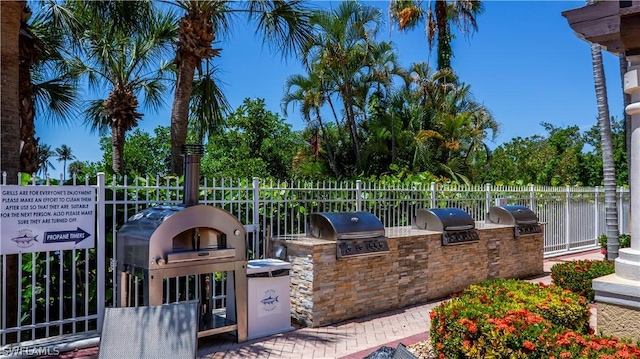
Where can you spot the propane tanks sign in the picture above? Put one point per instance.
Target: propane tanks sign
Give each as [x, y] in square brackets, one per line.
[38, 219]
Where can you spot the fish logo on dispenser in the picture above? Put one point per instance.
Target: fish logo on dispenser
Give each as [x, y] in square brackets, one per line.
[269, 300]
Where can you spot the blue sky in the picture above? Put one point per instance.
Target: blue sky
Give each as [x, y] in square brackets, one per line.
[525, 64]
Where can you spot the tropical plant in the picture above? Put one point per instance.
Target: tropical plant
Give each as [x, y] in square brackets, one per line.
[577, 276]
[440, 14]
[30, 46]
[44, 163]
[311, 95]
[64, 154]
[76, 168]
[256, 142]
[129, 65]
[285, 24]
[341, 50]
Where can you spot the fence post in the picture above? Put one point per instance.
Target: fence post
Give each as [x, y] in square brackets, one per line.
[567, 217]
[101, 253]
[597, 217]
[619, 190]
[255, 221]
[433, 195]
[358, 195]
[532, 198]
[487, 198]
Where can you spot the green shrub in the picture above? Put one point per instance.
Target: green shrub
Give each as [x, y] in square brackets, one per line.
[513, 319]
[490, 318]
[577, 276]
[624, 239]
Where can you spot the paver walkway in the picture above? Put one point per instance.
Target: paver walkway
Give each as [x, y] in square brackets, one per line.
[351, 339]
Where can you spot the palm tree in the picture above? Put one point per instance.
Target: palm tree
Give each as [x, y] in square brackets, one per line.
[209, 106]
[30, 46]
[608, 164]
[309, 93]
[12, 12]
[64, 154]
[44, 162]
[10, 135]
[341, 50]
[407, 14]
[128, 65]
[75, 168]
[283, 23]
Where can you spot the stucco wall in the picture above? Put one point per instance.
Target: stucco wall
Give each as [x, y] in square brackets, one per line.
[618, 321]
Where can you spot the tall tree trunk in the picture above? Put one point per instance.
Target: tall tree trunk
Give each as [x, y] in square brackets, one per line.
[180, 110]
[117, 147]
[332, 159]
[10, 135]
[347, 98]
[28, 49]
[608, 165]
[624, 66]
[444, 35]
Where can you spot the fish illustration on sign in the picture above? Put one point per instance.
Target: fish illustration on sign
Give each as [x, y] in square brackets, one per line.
[270, 300]
[25, 239]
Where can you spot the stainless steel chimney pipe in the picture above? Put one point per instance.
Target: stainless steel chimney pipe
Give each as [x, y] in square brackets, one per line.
[191, 188]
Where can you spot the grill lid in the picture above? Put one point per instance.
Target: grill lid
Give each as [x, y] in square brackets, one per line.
[512, 215]
[444, 219]
[345, 225]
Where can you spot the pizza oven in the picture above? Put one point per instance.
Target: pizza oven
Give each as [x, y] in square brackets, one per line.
[169, 241]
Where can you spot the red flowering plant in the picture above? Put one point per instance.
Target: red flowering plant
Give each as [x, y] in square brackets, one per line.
[577, 276]
[505, 319]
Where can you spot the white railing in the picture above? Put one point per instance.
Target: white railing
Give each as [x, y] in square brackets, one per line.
[66, 291]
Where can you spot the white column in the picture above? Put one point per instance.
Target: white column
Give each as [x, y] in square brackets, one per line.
[632, 87]
[628, 262]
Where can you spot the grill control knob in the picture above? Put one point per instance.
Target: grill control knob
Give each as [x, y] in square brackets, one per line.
[160, 261]
[370, 245]
[359, 247]
[349, 248]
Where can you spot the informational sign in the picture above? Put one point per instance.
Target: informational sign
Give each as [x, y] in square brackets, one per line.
[39, 218]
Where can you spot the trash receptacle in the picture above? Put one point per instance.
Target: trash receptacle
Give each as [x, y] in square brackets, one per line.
[268, 297]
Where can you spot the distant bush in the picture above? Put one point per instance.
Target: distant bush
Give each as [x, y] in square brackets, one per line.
[624, 239]
[577, 276]
[515, 319]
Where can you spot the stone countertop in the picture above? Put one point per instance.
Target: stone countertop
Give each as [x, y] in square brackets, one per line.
[302, 239]
[391, 232]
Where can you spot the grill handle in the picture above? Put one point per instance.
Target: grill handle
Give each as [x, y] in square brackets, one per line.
[459, 228]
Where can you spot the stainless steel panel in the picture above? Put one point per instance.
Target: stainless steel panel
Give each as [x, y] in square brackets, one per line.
[511, 215]
[200, 255]
[335, 225]
[443, 219]
[166, 331]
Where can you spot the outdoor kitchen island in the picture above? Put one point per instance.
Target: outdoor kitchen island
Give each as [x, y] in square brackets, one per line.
[416, 269]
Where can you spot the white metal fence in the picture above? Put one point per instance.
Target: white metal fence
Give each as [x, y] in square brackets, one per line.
[66, 291]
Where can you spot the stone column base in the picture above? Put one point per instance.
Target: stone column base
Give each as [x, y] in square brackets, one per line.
[618, 306]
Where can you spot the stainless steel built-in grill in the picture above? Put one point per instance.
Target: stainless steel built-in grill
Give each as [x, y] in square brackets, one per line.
[456, 225]
[523, 219]
[356, 233]
[171, 241]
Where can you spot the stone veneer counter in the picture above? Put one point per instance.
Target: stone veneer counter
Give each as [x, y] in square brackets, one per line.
[417, 269]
